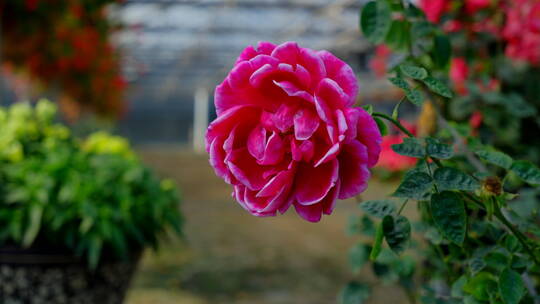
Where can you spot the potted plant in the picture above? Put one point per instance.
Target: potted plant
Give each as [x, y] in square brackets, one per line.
[74, 214]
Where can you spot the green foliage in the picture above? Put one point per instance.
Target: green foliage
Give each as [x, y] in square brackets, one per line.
[413, 72]
[354, 293]
[448, 178]
[397, 232]
[449, 215]
[399, 82]
[482, 286]
[435, 148]
[377, 244]
[438, 87]
[358, 256]
[442, 51]
[382, 126]
[415, 96]
[90, 195]
[511, 286]
[478, 207]
[526, 171]
[496, 158]
[378, 208]
[415, 185]
[410, 147]
[375, 20]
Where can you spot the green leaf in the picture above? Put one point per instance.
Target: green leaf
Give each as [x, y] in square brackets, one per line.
[354, 293]
[378, 208]
[36, 212]
[381, 125]
[453, 179]
[397, 232]
[422, 29]
[496, 158]
[476, 265]
[410, 147]
[438, 87]
[527, 171]
[457, 287]
[415, 185]
[519, 107]
[496, 260]
[511, 286]
[511, 243]
[414, 71]
[480, 286]
[368, 108]
[377, 243]
[358, 256]
[398, 37]
[449, 215]
[415, 96]
[399, 82]
[442, 51]
[94, 251]
[437, 149]
[375, 21]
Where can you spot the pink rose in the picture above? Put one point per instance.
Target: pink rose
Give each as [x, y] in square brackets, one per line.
[473, 6]
[379, 61]
[287, 134]
[434, 9]
[522, 31]
[459, 72]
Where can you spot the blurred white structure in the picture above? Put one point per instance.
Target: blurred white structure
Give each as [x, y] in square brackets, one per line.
[200, 119]
[173, 47]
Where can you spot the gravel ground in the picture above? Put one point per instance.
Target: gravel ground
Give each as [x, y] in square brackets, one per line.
[229, 256]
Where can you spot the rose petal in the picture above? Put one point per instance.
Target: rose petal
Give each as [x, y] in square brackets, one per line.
[256, 142]
[313, 183]
[302, 75]
[306, 123]
[292, 90]
[341, 122]
[332, 93]
[368, 134]
[217, 160]
[256, 79]
[353, 170]
[329, 155]
[313, 63]
[329, 201]
[303, 151]
[245, 169]
[239, 75]
[264, 47]
[311, 213]
[274, 150]
[286, 52]
[342, 74]
[248, 53]
[283, 118]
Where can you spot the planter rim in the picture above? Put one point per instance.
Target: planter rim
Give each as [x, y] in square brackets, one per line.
[15, 255]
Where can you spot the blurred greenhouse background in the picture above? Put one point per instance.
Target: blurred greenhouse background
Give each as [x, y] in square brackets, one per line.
[174, 52]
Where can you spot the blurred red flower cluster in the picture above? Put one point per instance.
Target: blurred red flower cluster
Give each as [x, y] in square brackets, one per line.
[390, 160]
[516, 23]
[64, 45]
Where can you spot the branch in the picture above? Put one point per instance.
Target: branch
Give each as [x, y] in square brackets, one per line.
[458, 138]
[395, 122]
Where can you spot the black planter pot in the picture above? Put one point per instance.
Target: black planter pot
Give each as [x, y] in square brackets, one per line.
[44, 275]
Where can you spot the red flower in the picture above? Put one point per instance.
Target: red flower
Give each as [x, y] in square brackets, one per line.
[459, 72]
